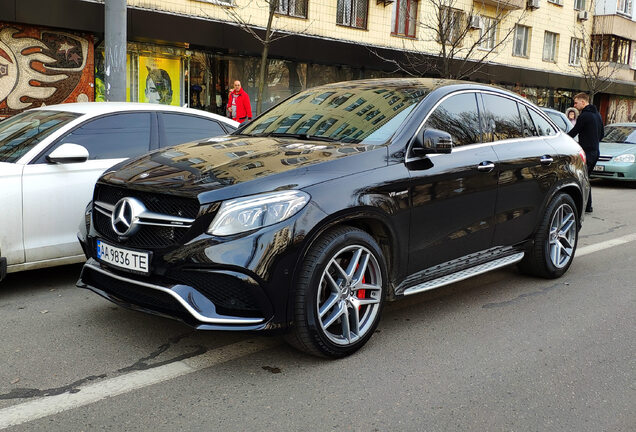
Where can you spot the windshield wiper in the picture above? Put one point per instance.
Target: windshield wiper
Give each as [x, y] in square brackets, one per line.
[300, 136]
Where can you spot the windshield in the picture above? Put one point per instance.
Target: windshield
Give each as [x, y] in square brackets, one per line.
[620, 134]
[368, 114]
[21, 133]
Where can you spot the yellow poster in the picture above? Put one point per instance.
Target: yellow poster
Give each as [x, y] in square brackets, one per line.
[159, 80]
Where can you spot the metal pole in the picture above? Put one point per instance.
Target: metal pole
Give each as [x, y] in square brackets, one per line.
[115, 50]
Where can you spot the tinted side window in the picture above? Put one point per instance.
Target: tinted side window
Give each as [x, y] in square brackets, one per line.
[457, 115]
[180, 128]
[115, 136]
[543, 127]
[503, 120]
[527, 124]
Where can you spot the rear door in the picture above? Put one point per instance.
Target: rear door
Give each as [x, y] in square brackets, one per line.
[453, 195]
[55, 195]
[175, 128]
[526, 171]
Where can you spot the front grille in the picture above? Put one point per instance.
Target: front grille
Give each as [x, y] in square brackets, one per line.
[133, 294]
[158, 203]
[148, 236]
[604, 158]
[230, 295]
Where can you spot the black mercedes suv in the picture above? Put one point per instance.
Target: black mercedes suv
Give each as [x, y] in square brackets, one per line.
[336, 200]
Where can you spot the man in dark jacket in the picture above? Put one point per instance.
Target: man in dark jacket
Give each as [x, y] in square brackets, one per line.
[589, 128]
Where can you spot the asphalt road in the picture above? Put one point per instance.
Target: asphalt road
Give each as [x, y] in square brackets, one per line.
[499, 352]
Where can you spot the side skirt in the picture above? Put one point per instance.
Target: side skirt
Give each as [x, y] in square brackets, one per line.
[464, 274]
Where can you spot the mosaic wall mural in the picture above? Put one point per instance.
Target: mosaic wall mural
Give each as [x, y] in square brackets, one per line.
[43, 67]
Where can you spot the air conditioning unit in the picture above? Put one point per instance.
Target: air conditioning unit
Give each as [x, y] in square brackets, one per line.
[533, 4]
[583, 15]
[475, 22]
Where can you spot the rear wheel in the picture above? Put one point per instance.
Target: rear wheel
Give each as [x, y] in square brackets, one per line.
[556, 240]
[340, 294]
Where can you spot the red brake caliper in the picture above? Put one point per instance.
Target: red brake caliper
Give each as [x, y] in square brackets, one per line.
[361, 293]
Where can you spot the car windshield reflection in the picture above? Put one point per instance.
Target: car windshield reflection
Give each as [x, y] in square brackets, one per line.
[620, 134]
[366, 114]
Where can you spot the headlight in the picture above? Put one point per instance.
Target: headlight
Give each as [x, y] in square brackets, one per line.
[629, 158]
[256, 211]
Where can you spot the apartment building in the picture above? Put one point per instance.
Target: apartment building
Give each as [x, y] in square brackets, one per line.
[52, 51]
[614, 48]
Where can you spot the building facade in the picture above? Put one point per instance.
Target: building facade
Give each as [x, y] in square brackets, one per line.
[52, 51]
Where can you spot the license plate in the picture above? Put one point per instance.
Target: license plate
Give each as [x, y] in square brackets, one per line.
[123, 258]
[598, 168]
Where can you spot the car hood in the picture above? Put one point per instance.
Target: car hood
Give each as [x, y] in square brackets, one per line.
[221, 163]
[615, 149]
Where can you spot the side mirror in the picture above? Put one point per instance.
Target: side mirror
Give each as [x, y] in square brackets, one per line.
[432, 141]
[68, 153]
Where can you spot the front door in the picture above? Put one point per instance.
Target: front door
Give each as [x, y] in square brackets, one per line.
[55, 195]
[453, 195]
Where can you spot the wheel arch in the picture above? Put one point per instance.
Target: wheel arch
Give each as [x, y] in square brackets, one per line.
[369, 220]
[575, 192]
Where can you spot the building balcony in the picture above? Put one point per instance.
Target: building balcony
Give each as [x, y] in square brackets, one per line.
[504, 4]
[614, 25]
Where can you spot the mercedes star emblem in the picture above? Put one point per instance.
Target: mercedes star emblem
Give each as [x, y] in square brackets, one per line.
[125, 217]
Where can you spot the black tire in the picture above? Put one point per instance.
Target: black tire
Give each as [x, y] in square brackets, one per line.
[320, 284]
[555, 241]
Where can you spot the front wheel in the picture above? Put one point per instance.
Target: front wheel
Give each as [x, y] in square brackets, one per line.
[340, 294]
[555, 241]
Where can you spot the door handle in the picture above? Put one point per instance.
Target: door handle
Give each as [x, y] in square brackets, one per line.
[546, 160]
[486, 166]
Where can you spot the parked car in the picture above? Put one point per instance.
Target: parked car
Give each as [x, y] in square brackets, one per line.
[559, 119]
[50, 158]
[341, 197]
[617, 153]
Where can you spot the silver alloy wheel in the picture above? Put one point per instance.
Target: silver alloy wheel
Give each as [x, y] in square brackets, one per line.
[349, 295]
[562, 236]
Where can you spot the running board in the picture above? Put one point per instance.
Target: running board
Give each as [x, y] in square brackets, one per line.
[464, 274]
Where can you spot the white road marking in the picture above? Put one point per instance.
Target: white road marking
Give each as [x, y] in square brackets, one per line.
[605, 245]
[46, 406]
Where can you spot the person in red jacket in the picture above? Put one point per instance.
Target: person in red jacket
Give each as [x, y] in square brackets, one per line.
[238, 104]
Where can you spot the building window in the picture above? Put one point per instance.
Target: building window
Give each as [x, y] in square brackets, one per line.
[295, 8]
[624, 7]
[522, 41]
[450, 25]
[488, 33]
[575, 51]
[352, 13]
[610, 48]
[405, 17]
[550, 46]
[579, 4]
[556, 2]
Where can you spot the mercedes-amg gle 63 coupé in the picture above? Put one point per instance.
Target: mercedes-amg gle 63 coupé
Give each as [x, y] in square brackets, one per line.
[342, 197]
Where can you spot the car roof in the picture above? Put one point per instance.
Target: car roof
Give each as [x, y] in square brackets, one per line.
[428, 83]
[97, 108]
[552, 110]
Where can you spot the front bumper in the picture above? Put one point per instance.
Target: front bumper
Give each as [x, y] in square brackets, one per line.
[615, 171]
[178, 301]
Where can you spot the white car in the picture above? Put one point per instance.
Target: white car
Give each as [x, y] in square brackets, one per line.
[50, 158]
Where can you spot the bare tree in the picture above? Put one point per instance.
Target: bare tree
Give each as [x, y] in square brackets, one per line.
[265, 37]
[466, 40]
[597, 54]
